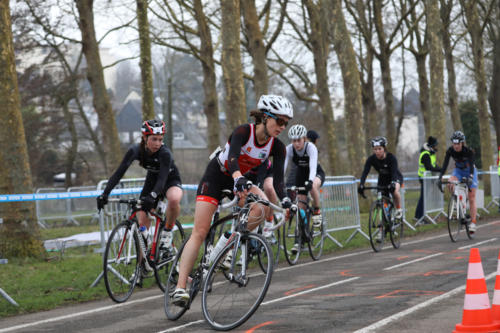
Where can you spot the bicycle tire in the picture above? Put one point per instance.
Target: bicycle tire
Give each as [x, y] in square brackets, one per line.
[316, 238]
[454, 219]
[121, 269]
[172, 311]
[395, 228]
[275, 249]
[229, 302]
[164, 258]
[376, 226]
[292, 235]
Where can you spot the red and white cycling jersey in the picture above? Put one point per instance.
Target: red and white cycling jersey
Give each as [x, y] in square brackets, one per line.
[251, 155]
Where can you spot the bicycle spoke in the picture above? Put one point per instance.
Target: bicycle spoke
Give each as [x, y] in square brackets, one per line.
[292, 239]
[317, 236]
[376, 226]
[454, 223]
[165, 256]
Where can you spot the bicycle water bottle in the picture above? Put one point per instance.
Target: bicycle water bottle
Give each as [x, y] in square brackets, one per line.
[219, 246]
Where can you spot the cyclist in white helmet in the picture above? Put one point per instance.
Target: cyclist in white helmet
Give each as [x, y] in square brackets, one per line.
[304, 156]
[249, 146]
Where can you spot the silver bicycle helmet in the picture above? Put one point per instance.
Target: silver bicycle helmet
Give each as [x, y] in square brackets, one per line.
[275, 104]
[297, 132]
[379, 141]
[457, 137]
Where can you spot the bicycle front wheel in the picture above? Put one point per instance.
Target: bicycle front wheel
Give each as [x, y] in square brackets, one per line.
[316, 238]
[454, 223]
[292, 239]
[396, 229]
[232, 295]
[165, 256]
[120, 265]
[376, 226]
[173, 311]
[274, 243]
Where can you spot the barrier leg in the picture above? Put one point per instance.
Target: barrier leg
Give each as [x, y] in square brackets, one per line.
[97, 280]
[7, 297]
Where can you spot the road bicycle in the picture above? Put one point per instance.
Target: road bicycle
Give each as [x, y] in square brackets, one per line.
[232, 283]
[458, 217]
[382, 219]
[299, 230]
[127, 258]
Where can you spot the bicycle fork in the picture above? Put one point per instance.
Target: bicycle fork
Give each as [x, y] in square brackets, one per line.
[241, 277]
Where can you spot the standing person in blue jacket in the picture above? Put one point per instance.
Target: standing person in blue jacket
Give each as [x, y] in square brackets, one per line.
[426, 162]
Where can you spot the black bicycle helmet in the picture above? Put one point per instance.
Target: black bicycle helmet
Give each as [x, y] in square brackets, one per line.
[312, 135]
[457, 137]
[432, 142]
[153, 127]
[379, 141]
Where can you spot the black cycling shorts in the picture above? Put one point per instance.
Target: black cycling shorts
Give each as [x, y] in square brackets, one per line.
[302, 175]
[174, 179]
[212, 184]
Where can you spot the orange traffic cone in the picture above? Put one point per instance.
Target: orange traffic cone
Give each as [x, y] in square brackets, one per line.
[495, 305]
[477, 311]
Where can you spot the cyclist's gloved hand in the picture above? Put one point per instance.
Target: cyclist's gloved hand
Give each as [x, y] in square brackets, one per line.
[102, 200]
[286, 203]
[469, 181]
[148, 203]
[361, 189]
[241, 184]
[308, 185]
[392, 186]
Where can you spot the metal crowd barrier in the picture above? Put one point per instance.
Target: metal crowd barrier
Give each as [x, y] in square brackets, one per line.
[495, 187]
[433, 200]
[3, 293]
[339, 206]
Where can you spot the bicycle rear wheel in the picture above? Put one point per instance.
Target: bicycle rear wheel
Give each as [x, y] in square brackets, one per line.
[292, 237]
[376, 228]
[396, 229]
[120, 266]
[454, 218]
[231, 296]
[316, 238]
[173, 311]
[165, 257]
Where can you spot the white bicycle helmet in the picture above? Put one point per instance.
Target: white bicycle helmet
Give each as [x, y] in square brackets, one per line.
[275, 104]
[297, 132]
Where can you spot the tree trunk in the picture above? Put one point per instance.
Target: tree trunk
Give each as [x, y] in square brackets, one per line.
[95, 76]
[352, 86]
[148, 111]
[231, 64]
[319, 47]
[450, 65]
[256, 47]
[474, 29]
[210, 103]
[494, 96]
[423, 86]
[437, 124]
[384, 59]
[19, 235]
[73, 149]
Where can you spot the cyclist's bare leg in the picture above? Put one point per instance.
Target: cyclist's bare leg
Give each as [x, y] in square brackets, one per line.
[397, 196]
[270, 193]
[258, 211]
[472, 204]
[315, 191]
[174, 196]
[143, 219]
[302, 198]
[202, 217]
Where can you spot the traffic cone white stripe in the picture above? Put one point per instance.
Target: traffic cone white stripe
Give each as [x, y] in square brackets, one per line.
[476, 302]
[475, 271]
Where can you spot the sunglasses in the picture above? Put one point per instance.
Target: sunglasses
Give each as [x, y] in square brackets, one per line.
[279, 121]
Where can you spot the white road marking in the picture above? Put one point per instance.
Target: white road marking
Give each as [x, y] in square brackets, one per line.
[178, 328]
[476, 244]
[413, 261]
[375, 326]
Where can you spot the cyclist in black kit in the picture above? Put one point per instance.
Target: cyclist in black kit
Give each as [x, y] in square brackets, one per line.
[464, 168]
[162, 178]
[386, 165]
[249, 146]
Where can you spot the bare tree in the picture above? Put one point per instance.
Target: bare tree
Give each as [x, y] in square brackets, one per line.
[19, 234]
[353, 109]
[148, 111]
[445, 10]
[95, 77]
[475, 29]
[235, 106]
[494, 95]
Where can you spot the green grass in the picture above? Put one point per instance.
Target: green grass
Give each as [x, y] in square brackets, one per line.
[62, 279]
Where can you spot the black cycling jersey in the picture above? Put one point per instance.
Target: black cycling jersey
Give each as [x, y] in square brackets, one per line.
[464, 159]
[161, 170]
[387, 169]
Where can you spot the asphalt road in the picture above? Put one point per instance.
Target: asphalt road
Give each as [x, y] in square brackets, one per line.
[417, 288]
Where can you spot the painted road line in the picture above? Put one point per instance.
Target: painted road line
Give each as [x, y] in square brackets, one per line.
[309, 291]
[479, 243]
[397, 316]
[413, 261]
[178, 328]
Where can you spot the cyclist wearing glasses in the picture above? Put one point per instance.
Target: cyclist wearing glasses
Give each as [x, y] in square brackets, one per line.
[162, 178]
[386, 165]
[464, 168]
[248, 146]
